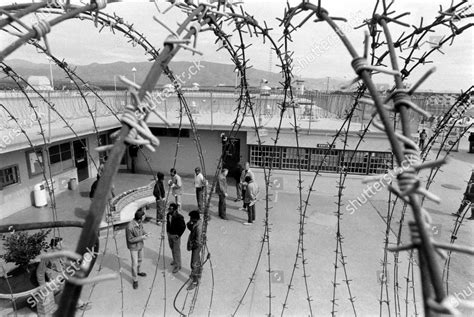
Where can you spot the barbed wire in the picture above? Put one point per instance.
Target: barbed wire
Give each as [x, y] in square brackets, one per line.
[362, 71]
[50, 184]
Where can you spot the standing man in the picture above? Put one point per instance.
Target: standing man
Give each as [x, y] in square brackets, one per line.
[243, 185]
[159, 193]
[175, 227]
[471, 142]
[221, 190]
[135, 235]
[250, 199]
[176, 184]
[194, 245]
[423, 137]
[238, 186]
[200, 185]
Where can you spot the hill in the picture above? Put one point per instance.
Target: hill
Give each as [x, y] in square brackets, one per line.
[209, 75]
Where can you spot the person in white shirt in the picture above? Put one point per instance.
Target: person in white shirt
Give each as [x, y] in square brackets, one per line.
[200, 185]
[176, 184]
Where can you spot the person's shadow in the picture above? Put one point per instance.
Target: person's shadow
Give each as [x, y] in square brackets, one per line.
[181, 275]
[80, 213]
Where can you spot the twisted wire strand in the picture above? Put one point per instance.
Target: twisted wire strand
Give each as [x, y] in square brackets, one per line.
[162, 248]
[300, 251]
[458, 108]
[291, 13]
[34, 7]
[12, 299]
[407, 186]
[89, 110]
[99, 269]
[265, 238]
[69, 297]
[40, 31]
[119, 263]
[404, 73]
[339, 253]
[362, 71]
[454, 235]
[16, 78]
[51, 106]
[196, 139]
[285, 61]
[410, 278]
[73, 76]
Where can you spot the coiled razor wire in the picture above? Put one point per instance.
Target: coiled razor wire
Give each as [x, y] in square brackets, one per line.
[48, 179]
[362, 71]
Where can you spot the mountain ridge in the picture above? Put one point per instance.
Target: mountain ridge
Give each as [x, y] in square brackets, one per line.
[202, 72]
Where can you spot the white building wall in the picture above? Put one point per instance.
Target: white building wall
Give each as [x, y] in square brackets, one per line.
[19, 196]
[187, 159]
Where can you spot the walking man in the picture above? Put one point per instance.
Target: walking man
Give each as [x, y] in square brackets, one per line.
[200, 185]
[159, 193]
[136, 236]
[221, 190]
[243, 185]
[176, 184]
[194, 245]
[423, 137]
[175, 227]
[250, 199]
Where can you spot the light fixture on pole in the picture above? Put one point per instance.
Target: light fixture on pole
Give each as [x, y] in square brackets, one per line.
[134, 70]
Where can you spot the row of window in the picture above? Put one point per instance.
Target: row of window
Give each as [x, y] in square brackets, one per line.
[60, 159]
[324, 159]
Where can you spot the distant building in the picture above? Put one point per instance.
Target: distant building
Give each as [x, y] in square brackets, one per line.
[40, 83]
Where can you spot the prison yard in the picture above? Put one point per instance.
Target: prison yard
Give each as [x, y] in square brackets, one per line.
[216, 158]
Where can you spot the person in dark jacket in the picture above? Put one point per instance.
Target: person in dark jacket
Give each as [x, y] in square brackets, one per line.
[175, 227]
[194, 245]
[421, 142]
[136, 235]
[221, 190]
[238, 186]
[159, 193]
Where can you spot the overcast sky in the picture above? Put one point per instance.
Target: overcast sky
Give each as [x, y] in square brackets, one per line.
[80, 43]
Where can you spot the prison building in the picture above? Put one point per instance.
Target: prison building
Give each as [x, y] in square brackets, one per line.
[63, 129]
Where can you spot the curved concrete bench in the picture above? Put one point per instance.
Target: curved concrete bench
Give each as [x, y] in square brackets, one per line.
[124, 205]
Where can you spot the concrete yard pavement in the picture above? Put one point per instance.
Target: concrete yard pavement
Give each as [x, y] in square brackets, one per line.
[235, 249]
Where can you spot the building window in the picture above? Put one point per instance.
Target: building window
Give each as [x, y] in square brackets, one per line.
[290, 158]
[9, 175]
[322, 159]
[170, 132]
[356, 162]
[264, 156]
[34, 162]
[60, 157]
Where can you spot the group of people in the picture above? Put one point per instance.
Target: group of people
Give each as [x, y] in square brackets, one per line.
[175, 228]
[247, 191]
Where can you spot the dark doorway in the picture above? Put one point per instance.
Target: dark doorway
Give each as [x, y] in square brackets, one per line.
[231, 153]
[80, 159]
